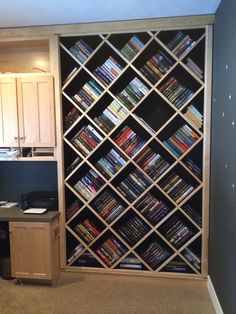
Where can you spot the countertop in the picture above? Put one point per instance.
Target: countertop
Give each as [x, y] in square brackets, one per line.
[16, 214]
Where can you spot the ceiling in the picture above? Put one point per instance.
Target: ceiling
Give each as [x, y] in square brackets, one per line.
[52, 12]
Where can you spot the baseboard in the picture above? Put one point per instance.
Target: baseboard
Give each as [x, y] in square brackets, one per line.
[214, 297]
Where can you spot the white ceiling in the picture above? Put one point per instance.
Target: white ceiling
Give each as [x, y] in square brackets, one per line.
[19, 13]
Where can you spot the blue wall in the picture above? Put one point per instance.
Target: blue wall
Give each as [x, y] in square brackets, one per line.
[222, 268]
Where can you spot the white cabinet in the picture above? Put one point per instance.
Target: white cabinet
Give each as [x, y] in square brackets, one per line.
[27, 111]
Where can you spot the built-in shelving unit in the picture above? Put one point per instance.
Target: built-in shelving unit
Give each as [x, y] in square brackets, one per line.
[134, 149]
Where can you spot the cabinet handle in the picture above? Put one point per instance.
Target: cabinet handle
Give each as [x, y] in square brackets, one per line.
[10, 231]
[15, 137]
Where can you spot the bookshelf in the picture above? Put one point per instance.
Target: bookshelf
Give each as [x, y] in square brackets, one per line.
[135, 151]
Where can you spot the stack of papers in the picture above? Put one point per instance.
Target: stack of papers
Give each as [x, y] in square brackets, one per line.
[35, 211]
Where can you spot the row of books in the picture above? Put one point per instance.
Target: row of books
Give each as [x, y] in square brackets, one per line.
[194, 116]
[71, 117]
[111, 116]
[86, 139]
[193, 167]
[195, 69]
[193, 258]
[75, 252]
[176, 231]
[89, 184]
[129, 141]
[131, 262]
[132, 230]
[152, 163]
[156, 66]
[110, 251]
[108, 71]
[176, 92]
[132, 93]
[110, 163]
[90, 91]
[181, 140]
[180, 44]
[72, 209]
[81, 50]
[193, 213]
[132, 47]
[176, 187]
[133, 185]
[153, 209]
[108, 206]
[87, 231]
[73, 165]
[155, 254]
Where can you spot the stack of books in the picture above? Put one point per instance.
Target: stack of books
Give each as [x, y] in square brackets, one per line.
[87, 260]
[111, 251]
[193, 258]
[176, 187]
[110, 164]
[132, 93]
[132, 47]
[193, 214]
[176, 92]
[176, 231]
[193, 167]
[133, 185]
[180, 44]
[108, 206]
[152, 163]
[108, 71]
[132, 230]
[43, 151]
[155, 254]
[87, 94]
[131, 262]
[177, 266]
[196, 70]
[129, 141]
[181, 140]
[194, 116]
[111, 116]
[70, 118]
[152, 209]
[86, 139]
[156, 67]
[76, 252]
[72, 209]
[144, 123]
[81, 50]
[73, 165]
[87, 231]
[89, 184]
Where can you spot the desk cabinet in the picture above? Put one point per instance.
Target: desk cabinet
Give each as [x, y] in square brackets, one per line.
[34, 250]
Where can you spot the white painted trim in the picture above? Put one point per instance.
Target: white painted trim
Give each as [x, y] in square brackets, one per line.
[214, 297]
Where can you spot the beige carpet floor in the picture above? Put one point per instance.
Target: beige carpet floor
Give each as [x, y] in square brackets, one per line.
[106, 294]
